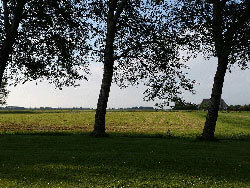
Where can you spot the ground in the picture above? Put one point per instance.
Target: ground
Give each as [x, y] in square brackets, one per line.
[144, 149]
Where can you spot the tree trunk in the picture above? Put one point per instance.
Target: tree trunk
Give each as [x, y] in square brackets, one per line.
[3, 63]
[6, 50]
[99, 127]
[11, 31]
[214, 103]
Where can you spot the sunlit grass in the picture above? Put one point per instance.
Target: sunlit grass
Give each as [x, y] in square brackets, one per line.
[145, 149]
[183, 124]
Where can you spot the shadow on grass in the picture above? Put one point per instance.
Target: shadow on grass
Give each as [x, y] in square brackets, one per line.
[41, 111]
[79, 158]
[194, 138]
[18, 112]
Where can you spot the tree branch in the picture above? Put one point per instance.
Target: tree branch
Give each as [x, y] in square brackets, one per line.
[18, 15]
[12, 31]
[217, 26]
[6, 16]
[119, 9]
[237, 25]
[126, 51]
[224, 1]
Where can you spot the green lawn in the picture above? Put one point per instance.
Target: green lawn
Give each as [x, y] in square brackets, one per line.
[53, 149]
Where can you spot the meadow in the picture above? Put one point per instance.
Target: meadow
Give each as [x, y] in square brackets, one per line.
[144, 149]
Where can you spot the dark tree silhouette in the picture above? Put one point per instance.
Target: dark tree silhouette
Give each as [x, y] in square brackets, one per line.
[219, 28]
[42, 39]
[4, 92]
[133, 40]
[113, 14]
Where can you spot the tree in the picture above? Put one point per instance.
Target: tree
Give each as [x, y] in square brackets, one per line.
[3, 92]
[42, 39]
[180, 105]
[219, 28]
[239, 108]
[134, 42]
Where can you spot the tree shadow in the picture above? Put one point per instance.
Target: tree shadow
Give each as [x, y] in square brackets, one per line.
[41, 111]
[219, 138]
[17, 112]
[82, 159]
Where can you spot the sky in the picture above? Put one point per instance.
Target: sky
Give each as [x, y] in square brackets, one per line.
[236, 89]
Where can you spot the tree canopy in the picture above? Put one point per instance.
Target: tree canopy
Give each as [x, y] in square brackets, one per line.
[43, 39]
[145, 47]
[198, 25]
[135, 42]
[219, 28]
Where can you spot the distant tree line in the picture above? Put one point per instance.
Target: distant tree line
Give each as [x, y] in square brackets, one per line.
[245, 107]
[191, 106]
[42, 108]
[140, 108]
[185, 106]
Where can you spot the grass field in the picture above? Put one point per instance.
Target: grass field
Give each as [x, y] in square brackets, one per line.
[145, 149]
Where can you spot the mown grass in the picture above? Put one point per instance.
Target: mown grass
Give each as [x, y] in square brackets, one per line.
[179, 124]
[145, 149]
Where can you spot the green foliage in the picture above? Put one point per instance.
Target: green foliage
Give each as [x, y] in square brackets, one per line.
[198, 31]
[185, 106]
[3, 93]
[239, 108]
[145, 48]
[49, 40]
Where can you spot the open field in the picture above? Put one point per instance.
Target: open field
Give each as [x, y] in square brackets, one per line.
[180, 124]
[145, 149]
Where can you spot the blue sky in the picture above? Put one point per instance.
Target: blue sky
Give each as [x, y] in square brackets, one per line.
[236, 89]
